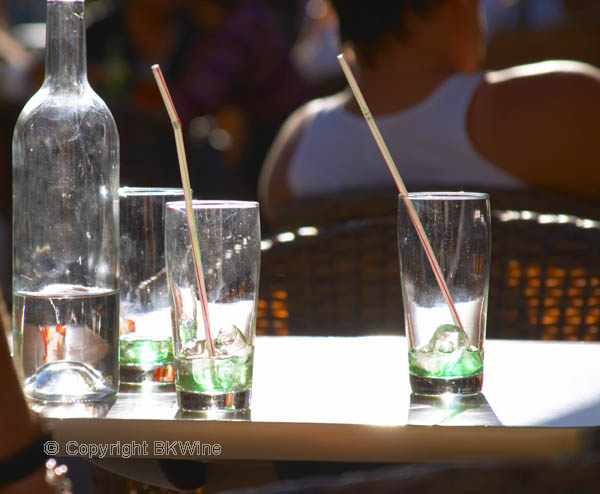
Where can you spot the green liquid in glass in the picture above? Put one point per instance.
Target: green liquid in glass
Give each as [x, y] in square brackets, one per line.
[215, 374]
[145, 351]
[460, 363]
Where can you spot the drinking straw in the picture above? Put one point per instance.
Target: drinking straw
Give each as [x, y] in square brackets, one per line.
[187, 194]
[401, 187]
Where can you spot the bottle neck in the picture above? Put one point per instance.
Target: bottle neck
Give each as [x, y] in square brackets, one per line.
[66, 65]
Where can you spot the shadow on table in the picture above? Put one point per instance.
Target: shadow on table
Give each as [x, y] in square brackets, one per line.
[470, 410]
[584, 416]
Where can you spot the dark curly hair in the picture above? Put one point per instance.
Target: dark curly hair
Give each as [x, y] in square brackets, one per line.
[364, 23]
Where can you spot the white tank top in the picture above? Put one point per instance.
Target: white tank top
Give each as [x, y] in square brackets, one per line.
[428, 141]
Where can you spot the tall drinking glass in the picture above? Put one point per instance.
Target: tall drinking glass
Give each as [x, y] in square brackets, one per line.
[444, 357]
[214, 369]
[145, 348]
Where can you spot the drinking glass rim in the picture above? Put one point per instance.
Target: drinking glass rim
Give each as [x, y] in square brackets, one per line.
[149, 191]
[212, 204]
[445, 196]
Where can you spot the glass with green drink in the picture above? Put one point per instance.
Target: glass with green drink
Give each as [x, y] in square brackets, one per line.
[445, 333]
[214, 354]
[145, 347]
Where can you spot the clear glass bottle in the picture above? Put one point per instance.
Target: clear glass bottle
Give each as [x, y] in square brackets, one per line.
[65, 226]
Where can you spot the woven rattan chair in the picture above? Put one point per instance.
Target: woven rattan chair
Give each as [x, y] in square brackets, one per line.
[337, 280]
[545, 276]
[341, 277]
[369, 203]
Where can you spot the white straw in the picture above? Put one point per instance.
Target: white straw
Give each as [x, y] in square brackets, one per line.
[401, 187]
[187, 194]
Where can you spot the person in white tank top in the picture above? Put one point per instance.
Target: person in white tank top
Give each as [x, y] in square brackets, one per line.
[428, 142]
[445, 122]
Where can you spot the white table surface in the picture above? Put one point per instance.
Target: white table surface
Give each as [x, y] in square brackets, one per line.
[349, 399]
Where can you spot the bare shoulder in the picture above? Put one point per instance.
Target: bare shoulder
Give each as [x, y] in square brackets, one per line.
[532, 85]
[539, 122]
[273, 186]
[295, 124]
[544, 70]
[533, 92]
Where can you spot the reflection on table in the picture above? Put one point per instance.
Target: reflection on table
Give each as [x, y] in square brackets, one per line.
[348, 399]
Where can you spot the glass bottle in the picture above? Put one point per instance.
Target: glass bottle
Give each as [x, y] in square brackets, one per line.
[65, 226]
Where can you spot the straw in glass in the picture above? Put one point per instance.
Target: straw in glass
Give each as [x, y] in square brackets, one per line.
[401, 187]
[187, 194]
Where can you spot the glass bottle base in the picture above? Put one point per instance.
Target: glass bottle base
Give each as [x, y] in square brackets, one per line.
[67, 382]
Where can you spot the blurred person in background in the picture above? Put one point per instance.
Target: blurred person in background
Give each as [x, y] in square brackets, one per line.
[240, 71]
[25, 11]
[15, 60]
[15, 64]
[446, 122]
[127, 38]
[315, 49]
[124, 39]
[228, 68]
[318, 43]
